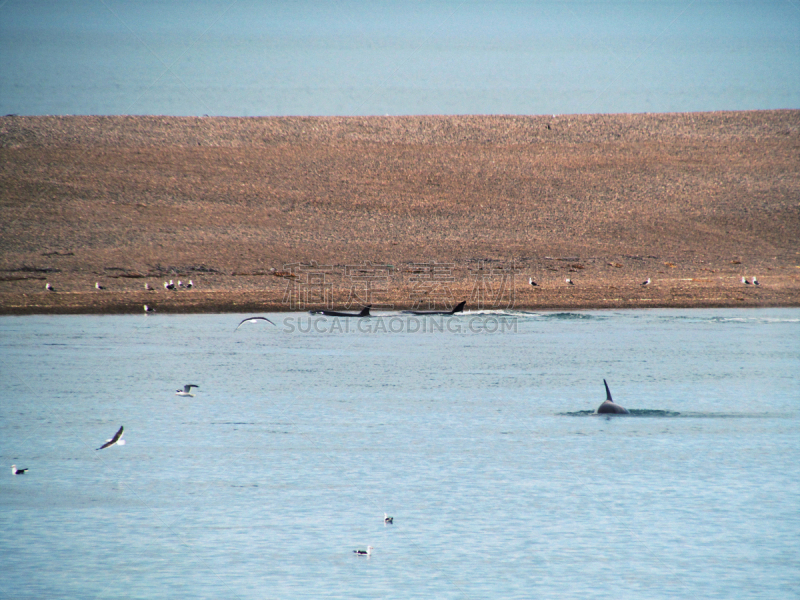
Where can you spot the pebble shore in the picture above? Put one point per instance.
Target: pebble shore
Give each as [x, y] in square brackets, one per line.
[295, 213]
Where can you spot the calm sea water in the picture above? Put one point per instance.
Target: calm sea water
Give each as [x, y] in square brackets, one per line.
[366, 57]
[473, 435]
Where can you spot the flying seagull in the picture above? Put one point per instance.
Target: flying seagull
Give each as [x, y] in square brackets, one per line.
[187, 390]
[366, 552]
[253, 320]
[387, 520]
[646, 282]
[17, 471]
[531, 281]
[115, 440]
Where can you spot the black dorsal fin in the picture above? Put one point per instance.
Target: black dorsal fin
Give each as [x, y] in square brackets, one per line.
[608, 392]
[459, 307]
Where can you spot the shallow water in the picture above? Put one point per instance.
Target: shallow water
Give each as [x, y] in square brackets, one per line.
[477, 438]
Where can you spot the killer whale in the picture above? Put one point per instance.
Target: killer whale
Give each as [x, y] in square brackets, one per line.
[609, 407]
[458, 308]
[334, 313]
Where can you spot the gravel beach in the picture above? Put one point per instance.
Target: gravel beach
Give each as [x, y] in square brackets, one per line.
[295, 213]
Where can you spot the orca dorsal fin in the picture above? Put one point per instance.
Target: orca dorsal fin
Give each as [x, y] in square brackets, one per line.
[608, 392]
[364, 312]
[459, 307]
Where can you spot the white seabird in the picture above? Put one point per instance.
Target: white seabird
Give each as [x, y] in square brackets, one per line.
[187, 390]
[569, 281]
[646, 282]
[148, 288]
[189, 285]
[755, 281]
[16, 471]
[148, 309]
[49, 287]
[366, 552]
[531, 281]
[114, 440]
[97, 286]
[387, 520]
[744, 280]
[253, 320]
[170, 285]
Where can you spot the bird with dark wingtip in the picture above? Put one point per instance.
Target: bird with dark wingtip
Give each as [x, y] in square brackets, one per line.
[253, 320]
[17, 471]
[609, 407]
[114, 440]
[187, 390]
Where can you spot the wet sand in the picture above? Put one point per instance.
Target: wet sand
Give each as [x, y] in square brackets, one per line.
[271, 214]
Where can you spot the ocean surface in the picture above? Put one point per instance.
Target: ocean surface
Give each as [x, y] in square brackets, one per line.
[474, 432]
[373, 57]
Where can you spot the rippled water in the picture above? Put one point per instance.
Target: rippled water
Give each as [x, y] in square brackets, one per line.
[475, 438]
[358, 57]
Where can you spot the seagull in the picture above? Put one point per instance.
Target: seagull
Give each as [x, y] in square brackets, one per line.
[16, 471]
[387, 520]
[189, 285]
[569, 281]
[646, 282]
[98, 286]
[755, 281]
[366, 552]
[115, 440]
[180, 283]
[49, 288]
[253, 320]
[170, 285]
[744, 280]
[148, 288]
[147, 309]
[187, 390]
[531, 281]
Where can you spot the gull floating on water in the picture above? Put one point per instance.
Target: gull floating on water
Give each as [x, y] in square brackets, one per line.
[114, 440]
[17, 471]
[187, 390]
[253, 320]
[387, 520]
[366, 552]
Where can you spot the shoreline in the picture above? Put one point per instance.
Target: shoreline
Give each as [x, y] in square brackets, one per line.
[404, 211]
